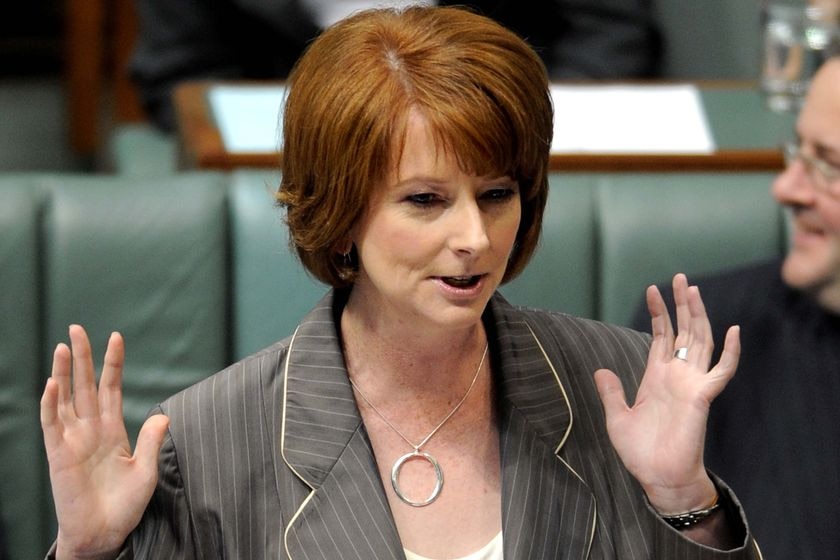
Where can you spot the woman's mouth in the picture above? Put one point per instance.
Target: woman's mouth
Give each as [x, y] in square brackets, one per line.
[460, 281]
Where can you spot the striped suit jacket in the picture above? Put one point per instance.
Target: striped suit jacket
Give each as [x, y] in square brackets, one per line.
[270, 459]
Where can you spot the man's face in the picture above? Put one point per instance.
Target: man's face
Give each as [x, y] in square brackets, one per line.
[813, 261]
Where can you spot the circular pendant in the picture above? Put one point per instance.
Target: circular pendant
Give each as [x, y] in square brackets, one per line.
[395, 474]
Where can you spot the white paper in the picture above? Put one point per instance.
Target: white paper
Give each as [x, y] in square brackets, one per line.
[630, 119]
[248, 117]
[597, 119]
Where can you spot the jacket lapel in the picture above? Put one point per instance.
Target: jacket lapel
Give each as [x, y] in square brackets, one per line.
[346, 513]
[547, 509]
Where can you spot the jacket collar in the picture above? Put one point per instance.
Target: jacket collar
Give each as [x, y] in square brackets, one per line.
[324, 442]
[546, 505]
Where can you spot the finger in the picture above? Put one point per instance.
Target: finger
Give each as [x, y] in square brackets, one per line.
[611, 392]
[49, 406]
[60, 376]
[702, 343]
[51, 425]
[55, 401]
[726, 367]
[149, 441]
[660, 326]
[110, 383]
[84, 379]
[682, 310]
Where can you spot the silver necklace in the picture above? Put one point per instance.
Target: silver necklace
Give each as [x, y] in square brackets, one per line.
[417, 453]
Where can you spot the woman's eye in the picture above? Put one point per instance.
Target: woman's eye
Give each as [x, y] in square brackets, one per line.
[498, 194]
[423, 199]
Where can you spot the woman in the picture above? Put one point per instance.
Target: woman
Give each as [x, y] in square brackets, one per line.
[413, 412]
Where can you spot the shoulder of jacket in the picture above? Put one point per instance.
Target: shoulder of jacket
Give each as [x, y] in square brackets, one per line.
[248, 371]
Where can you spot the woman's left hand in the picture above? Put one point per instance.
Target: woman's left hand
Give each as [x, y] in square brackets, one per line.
[660, 438]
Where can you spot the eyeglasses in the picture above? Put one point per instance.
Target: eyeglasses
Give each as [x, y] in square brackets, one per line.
[825, 176]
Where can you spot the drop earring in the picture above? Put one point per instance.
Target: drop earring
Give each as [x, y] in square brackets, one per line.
[345, 264]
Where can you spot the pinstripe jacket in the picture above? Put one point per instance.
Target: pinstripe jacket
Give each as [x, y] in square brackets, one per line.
[269, 458]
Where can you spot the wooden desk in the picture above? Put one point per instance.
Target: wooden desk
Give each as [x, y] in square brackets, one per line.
[747, 137]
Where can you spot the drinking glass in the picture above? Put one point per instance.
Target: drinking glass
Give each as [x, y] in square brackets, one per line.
[797, 38]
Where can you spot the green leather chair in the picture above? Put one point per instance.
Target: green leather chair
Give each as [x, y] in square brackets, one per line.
[271, 290]
[561, 275]
[147, 258]
[649, 223]
[23, 487]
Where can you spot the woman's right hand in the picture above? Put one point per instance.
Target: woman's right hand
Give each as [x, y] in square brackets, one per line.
[99, 487]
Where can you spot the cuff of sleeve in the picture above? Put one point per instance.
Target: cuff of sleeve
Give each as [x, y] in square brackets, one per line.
[125, 553]
[678, 546]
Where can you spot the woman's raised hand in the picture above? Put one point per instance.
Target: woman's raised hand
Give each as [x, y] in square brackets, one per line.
[660, 438]
[99, 487]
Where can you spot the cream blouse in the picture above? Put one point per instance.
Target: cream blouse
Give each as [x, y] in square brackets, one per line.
[490, 551]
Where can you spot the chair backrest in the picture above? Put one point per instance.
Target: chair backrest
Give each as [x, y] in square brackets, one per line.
[23, 488]
[147, 258]
[652, 226]
[562, 273]
[271, 290]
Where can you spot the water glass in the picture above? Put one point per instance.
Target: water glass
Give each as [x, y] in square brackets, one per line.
[797, 39]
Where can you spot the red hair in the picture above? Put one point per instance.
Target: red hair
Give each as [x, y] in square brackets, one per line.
[481, 88]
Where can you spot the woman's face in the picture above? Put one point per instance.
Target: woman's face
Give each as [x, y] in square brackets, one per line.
[434, 243]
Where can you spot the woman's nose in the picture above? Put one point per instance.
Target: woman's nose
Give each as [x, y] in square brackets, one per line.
[469, 229]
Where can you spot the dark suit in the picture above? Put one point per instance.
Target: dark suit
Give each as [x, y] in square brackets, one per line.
[270, 459]
[261, 39]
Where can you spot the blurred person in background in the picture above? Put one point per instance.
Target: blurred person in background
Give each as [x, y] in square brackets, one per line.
[261, 39]
[774, 434]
